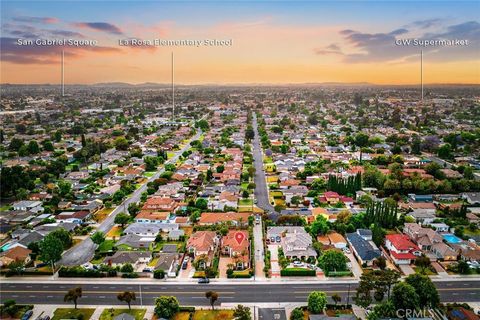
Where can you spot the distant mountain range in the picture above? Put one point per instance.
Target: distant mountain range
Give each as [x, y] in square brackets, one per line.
[308, 84]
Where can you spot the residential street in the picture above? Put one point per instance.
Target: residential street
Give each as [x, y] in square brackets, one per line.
[261, 189]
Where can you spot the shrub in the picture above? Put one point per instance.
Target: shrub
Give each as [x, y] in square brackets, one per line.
[159, 274]
[297, 273]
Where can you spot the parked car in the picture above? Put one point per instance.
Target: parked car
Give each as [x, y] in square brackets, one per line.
[147, 269]
[203, 280]
[298, 263]
[185, 264]
[27, 315]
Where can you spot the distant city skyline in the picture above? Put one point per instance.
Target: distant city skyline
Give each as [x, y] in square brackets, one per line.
[272, 42]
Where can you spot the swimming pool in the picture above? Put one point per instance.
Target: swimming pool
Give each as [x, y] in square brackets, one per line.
[451, 238]
[5, 247]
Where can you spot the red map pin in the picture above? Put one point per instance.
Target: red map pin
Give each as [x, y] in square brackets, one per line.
[239, 236]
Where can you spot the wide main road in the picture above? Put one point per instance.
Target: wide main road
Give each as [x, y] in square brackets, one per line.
[105, 293]
[85, 250]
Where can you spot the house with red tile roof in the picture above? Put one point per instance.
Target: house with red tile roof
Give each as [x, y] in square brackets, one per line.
[148, 216]
[236, 218]
[402, 249]
[237, 248]
[202, 245]
[160, 204]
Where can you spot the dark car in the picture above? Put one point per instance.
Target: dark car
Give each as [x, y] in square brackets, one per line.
[203, 280]
[27, 315]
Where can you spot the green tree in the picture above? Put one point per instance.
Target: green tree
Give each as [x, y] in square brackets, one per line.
[201, 203]
[64, 236]
[296, 314]
[122, 219]
[121, 143]
[98, 237]
[317, 301]
[133, 209]
[126, 296]
[404, 297]
[51, 249]
[166, 307]
[423, 262]
[425, 289]
[10, 307]
[33, 147]
[336, 298]
[332, 260]
[319, 226]
[212, 296]
[242, 313]
[73, 295]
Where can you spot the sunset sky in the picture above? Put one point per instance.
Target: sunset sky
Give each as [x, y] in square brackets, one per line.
[273, 42]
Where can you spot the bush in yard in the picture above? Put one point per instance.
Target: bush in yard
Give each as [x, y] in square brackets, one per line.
[166, 307]
[317, 300]
[159, 274]
[127, 268]
[297, 314]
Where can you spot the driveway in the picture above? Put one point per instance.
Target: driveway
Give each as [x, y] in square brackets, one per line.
[187, 273]
[272, 314]
[259, 252]
[223, 267]
[406, 269]
[356, 269]
[274, 260]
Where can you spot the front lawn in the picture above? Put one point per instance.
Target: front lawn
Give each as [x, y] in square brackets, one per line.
[182, 316]
[106, 245]
[111, 313]
[245, 202]
[116, 232]
[213, 315]
[149, 174]
[102, 214]
[71, 313]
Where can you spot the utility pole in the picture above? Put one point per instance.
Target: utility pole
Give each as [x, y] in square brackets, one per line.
[63, 73]
[421, 72]
[173, 88]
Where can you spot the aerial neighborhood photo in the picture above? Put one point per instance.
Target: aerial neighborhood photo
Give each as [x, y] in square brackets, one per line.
[270, 160]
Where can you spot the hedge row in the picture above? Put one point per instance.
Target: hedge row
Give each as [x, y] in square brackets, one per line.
[81, 272]
[338, 274]
[297, 273]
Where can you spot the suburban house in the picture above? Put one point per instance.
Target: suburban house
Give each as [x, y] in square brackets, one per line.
[203, 244]
[423, 216]
[17, 254]
[238, 251]
[147, 216]
[160, 204]
[73, 216]
[402, 249]
[136, 241]
[167, 262]
[149, 229]
[132, 257]
[365, 251]
[295, 242]
[235, 218]
[26, 205]
[337, 240]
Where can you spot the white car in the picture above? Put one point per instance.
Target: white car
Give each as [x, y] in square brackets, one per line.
[298, 263]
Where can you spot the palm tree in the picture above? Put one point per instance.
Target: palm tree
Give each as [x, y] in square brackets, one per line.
[126, 296]
[336, 298]
[73, 295]
[213, 296]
